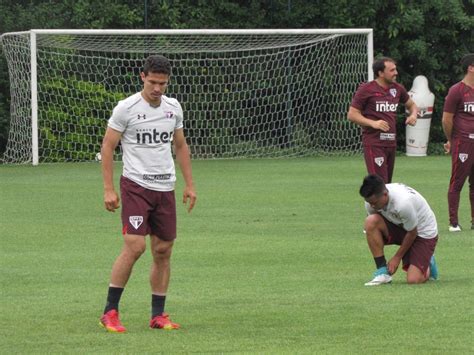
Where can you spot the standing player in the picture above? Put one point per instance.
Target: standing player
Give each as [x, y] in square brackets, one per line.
[374, 107]
[458, 126]
[397, 214]
[146, 123]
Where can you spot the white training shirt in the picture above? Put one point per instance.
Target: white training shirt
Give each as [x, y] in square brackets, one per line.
[147, 133]
[408, 209]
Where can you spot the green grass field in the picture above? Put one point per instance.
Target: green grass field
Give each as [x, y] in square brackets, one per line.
[272, 260]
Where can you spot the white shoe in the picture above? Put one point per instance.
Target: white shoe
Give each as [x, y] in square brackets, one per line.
[455, 228]
[380, 280]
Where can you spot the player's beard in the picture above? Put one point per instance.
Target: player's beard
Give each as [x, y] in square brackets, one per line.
[392, 80]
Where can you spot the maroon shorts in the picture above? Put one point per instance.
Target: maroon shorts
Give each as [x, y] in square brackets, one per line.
[146, 211]
[420, 251]
[380, 161]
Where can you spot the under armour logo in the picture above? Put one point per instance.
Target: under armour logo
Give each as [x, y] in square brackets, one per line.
[393, 92]
[463, 157]
[141, 116]
[379, 161]
[136, 221]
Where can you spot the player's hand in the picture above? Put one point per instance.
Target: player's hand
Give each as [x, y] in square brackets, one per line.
[111, 200]
[411, 120]
[447, 147]
[381, 125]
[392, 265]
[189, 194]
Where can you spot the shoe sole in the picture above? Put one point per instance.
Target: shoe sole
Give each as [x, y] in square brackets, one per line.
[166, 327]
[111, 330]
[377, 284]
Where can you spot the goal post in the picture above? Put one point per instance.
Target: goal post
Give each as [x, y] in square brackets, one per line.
[245, 93]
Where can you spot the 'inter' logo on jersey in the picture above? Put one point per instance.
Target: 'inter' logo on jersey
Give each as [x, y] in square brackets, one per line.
[469, 107]
[154, 137]
[384, 106]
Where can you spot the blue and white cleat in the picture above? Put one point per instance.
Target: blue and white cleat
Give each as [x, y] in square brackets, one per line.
[433, 269]
[381, 276]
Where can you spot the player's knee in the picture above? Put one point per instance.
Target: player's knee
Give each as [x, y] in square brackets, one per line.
[162, 251]
[413, 279]
[372, 222]
[135, 250]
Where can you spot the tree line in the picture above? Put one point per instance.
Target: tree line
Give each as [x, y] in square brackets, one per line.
[426, 37]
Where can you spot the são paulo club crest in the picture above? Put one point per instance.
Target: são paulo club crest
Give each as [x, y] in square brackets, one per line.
[393, 92]
[136, 221]
[463, 157]
[379, 161]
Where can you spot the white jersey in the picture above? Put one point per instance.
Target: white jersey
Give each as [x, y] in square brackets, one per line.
[147, 133]
[408, 209]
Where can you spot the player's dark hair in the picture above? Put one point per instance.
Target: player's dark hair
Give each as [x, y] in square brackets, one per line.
[379, 65]
[157, 64]
[467, 61]
[373, 185]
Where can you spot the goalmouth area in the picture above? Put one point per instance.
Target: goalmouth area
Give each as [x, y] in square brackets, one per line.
[245, 93]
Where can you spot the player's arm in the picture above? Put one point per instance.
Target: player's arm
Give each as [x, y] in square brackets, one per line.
[448, 129]
[406, 244]
[183, 157]
[413, 112]
[110, 142]
[355, 115]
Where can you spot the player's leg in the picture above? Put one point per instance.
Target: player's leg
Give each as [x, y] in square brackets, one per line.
[418, 260]
[135, 226]
[163, 222]
[133, 248]
[471, 184]
[159, 281]
[459, 173]
[376, 232]
[376, 161]
[390, 155]
[415, 275]
[161, 265]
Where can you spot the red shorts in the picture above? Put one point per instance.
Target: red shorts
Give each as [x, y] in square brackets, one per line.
[146, 211]
[380, 161]
[420, 251]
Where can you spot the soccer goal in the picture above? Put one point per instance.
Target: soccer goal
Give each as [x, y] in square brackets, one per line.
[245, 93]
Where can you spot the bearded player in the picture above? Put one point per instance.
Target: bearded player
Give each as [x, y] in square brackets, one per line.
[374, 108]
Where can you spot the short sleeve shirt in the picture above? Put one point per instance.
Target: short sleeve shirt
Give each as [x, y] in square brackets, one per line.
[378, 103]
[460, 102]
[407, 209]
[147, 134]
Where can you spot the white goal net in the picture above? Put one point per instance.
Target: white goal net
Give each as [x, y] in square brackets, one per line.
[245, 93]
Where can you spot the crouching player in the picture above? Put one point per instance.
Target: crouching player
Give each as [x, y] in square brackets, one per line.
[397, 214]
